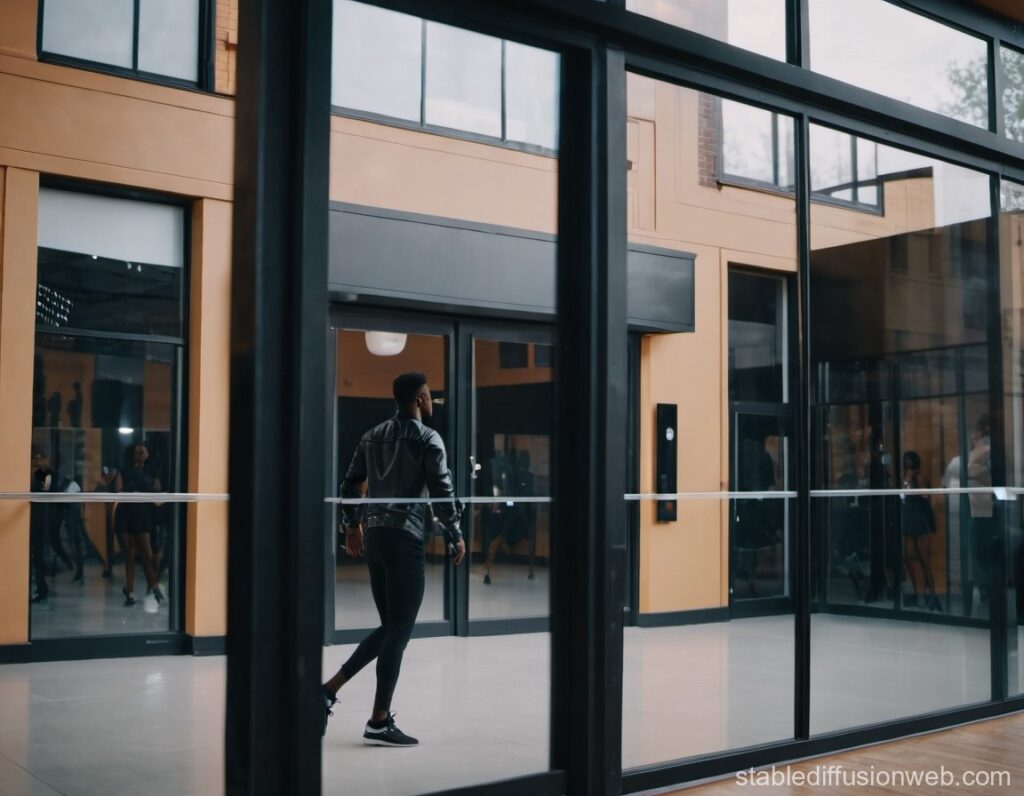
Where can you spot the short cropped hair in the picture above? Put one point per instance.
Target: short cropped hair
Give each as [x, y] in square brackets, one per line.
[406, 387]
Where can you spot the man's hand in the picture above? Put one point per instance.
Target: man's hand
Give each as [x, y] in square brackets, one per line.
[354, 541]
[460, 551]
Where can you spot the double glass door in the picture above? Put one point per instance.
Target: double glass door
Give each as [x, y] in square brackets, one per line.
[493, 390]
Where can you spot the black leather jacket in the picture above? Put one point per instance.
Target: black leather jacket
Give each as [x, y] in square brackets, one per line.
[402, 458]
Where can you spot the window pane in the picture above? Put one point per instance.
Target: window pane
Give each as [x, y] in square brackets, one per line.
[109, 264]
[912, 58]
[898, 327]
[376, 60]
[756, 144]
[1013, 93]
[757, 338]
[463, 81]
[95, 30]
[93, 402]
[756, 25]
[531, 95]
[169, 38]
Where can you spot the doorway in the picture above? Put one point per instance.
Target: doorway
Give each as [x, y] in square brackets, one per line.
[492, 386]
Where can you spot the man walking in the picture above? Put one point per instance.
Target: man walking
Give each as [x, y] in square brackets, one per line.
[400, 458]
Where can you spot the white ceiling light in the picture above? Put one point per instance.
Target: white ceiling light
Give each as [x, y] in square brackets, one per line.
[385, 344]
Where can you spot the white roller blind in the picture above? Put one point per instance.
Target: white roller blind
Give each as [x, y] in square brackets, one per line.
[119, 229]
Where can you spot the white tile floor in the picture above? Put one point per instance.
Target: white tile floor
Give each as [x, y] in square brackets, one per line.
[479, 706]
[96, 606]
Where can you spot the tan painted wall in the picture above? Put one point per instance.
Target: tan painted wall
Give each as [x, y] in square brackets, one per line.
[209, 382]
[19, 198]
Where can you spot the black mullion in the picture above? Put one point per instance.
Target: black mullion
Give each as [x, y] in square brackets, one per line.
[997, 547]
[332, 467]
[804, 473]
[465, 424]
[135, 38]
[278, 318]
[588, 554]
[798, 40]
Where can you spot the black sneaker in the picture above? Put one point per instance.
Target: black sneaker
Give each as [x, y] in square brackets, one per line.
[328, 704]
[158, 595]
[386, 734]
[129, 598]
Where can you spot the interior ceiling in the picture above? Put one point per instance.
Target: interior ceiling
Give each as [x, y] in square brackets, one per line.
[1014, 9]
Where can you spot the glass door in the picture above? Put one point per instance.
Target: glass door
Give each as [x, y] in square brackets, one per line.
[369, 355]
[508, 466]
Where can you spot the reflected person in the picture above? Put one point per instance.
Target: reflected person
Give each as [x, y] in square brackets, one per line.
[136, 524]
[400, 458]
[44, 522]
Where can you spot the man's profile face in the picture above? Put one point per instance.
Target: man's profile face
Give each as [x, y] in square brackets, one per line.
[424, 401]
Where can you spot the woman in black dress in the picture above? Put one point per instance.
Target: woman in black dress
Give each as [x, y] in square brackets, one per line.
[917, 520]
[135, 520]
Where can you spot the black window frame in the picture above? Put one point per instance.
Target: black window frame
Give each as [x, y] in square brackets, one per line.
[206, 53]
[599, 41]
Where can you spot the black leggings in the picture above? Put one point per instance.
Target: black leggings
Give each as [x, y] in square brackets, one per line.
[397, 565]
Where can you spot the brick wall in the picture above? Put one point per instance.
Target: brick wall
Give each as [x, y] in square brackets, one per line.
[225, 46]
[707, 139]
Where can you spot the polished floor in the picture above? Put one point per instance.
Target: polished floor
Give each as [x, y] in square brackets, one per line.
[987, 752]
[478, 705]
[96, 607]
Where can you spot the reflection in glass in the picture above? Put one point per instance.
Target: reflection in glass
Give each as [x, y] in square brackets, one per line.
[463, 80]
[756, 25]
[93, 401]
[1012, 62]
[94, 30]
[709, 666]
[510, 540]
[900, 402]
[757, 144]
[913, 58]
[364, 399]
[531, 95]
[376, 60]
[169, 38]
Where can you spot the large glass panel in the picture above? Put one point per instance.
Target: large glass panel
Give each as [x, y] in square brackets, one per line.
[94, 30]
[376, 60]
[368, 362]
[443, 255]
[1012, 62]
[169, 38]
[513, 383]
[1011, 289]
[757, 25]
[899, 361]
[531, 95]
[463, 80]
[709, 665]
[912, 58]
[104, 420]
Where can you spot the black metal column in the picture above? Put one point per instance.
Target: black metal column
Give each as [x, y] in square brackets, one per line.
[589, 547]
[276, 474]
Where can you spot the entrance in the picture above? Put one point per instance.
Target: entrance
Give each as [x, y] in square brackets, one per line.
[493, 391]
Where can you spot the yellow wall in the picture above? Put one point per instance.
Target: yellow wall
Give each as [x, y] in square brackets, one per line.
[74, 123]
[19, 198]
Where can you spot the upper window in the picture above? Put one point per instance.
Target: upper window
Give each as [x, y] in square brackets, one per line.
[877, 46]
[147, 37]
[395, 65]
[109, 264]
[756, 25]
[1013, 93]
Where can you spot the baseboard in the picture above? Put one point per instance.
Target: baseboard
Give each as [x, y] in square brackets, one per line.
[91, 647]
[673, 618]
[15, 653]
[209, 645]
